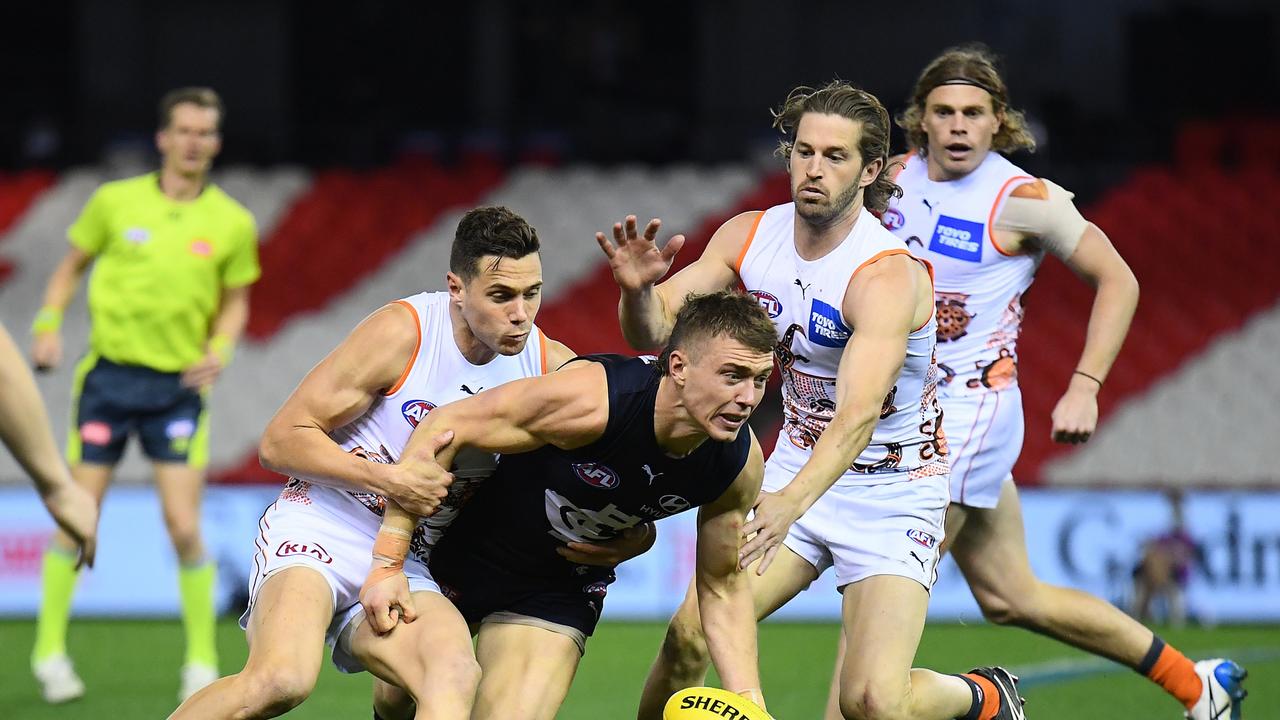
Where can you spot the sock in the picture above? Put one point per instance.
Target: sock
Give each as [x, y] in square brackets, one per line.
[57, 585]
[195, 587]
[986, 698]
[1171, 670]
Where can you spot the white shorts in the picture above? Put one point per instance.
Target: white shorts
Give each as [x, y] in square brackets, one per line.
[292, 534]
[891, 528]
[984, 433]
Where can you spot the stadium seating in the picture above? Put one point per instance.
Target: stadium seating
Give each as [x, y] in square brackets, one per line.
[1191, 392]
[339, 244]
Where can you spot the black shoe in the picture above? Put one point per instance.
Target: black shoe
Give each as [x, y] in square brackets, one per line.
[1007, 685]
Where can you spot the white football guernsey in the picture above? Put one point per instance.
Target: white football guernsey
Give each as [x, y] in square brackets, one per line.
[804, 298]
[438, 374]
[978, 288]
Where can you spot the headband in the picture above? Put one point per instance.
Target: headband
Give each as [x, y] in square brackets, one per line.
[967, 81]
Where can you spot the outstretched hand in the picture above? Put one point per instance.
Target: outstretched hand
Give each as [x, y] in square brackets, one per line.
[636, 260]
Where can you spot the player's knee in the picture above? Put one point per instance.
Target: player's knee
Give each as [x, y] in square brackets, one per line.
[454, 675]
[460, 674]
[870, 700]
[276, 690]
[685, 646]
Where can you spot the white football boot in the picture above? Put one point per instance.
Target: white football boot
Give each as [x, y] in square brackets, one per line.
[59, 682]
[1222, 692]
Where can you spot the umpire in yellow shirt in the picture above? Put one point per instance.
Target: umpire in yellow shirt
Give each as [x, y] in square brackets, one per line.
[173, 257]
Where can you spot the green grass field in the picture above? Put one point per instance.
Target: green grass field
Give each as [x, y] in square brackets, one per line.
[131, 670]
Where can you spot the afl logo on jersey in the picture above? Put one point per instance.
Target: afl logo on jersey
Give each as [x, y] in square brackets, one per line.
[768, 301]
[415, 410]
[892, 219]
[597, 475]
[922, 538]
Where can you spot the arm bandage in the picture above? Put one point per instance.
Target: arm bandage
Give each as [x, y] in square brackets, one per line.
[1051, 219]
[390, 548]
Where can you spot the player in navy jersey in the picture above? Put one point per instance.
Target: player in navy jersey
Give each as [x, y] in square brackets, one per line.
[603, 445]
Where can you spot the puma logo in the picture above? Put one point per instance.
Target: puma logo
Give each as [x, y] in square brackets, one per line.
[469, 391]
[652, 475]
[918, 559]
[927, 203]
[803, 287]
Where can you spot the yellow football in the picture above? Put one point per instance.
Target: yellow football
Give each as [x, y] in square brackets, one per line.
[708, 703]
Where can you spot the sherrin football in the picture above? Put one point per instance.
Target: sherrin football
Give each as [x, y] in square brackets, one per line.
[708, 703]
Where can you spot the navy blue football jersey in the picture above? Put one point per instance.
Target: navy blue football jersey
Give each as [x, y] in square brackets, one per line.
[540, 500]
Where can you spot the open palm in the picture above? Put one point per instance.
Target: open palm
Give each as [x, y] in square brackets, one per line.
[636, 260]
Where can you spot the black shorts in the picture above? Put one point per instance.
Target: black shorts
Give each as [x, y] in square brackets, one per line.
[110, 402]
[480, 589]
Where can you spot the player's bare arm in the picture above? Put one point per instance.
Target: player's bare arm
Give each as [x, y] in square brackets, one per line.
[228, 326]
[336, 392]
[884, 303]
[24, 429]
[1041, 214]
[1115, 300]
[724, 596]
[46, 351]
[646, 309]
[568, 409]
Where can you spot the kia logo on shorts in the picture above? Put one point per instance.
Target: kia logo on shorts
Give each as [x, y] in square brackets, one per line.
[922, 538]
[768, 301]
[290, 548]
[415, 410]
[673, 503]
[597, 475]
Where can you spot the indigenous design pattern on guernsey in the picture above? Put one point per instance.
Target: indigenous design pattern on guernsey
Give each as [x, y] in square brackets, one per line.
[376, 503]
[935, 448]
[997, 374]
[953, 316]
[296, 491]
[1006, 333]
[809, 404]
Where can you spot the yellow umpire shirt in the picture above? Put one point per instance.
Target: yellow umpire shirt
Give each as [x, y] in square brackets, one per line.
[160, 269]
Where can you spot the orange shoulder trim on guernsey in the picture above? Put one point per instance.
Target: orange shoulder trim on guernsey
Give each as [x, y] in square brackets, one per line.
[991, 217]
[417, 325]
[737, 265]
[928, 266]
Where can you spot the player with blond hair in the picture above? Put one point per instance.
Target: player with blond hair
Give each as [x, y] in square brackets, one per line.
[986, 225]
